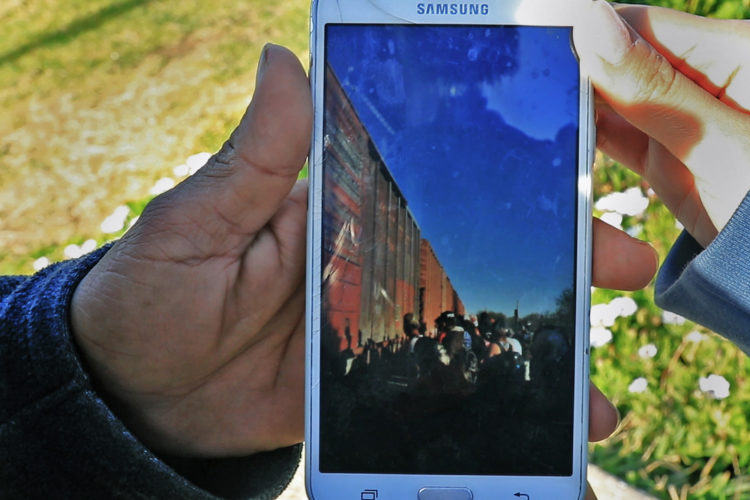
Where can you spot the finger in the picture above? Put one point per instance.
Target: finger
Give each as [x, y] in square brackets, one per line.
[667, 175]
[273, 268]
[603, 415]
[642, 86]
[617, 138]
[619, 261]
[692, 43]
[288, 226]
[244, 184]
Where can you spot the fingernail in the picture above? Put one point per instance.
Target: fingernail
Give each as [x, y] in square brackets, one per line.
[647, 277]
[619, 426]
[262, 63]
[619, 417]
[654, 254]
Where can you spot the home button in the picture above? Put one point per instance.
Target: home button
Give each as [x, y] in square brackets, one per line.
[445, 494]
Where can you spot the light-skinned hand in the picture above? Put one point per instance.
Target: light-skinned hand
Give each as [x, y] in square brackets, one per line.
[674, 103]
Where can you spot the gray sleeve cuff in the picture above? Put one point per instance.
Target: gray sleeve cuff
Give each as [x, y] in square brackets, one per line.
[63, 439]
[712, 286]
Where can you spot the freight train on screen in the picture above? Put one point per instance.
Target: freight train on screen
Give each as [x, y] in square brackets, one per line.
[376, 265]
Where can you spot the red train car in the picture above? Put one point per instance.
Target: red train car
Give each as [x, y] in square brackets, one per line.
[373, 259]
[436, 293]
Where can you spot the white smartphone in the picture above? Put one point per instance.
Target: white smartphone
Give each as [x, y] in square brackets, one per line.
[449, 245]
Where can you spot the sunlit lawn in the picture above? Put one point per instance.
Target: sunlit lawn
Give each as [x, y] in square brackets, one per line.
[683, 392]
[99, 99]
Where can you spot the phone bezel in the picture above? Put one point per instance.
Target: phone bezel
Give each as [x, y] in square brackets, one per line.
[346, 485]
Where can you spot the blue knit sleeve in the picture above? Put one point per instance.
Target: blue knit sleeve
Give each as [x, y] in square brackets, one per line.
[58, 439]
[712, 286]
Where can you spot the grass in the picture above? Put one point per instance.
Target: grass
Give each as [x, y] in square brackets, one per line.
[100, 98]
[675, 440]
[724, 9]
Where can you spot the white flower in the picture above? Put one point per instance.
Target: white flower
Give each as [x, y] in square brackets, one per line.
[638, 385]
[695, 336]
[647, 351]
[88, 246]
[670, 318]
[714, 385]
[196, 162]
[181, 170]
[116, 221]
[602, 315]
[606, 314]
[162, 185]
[635, 231]
[41, 263]
[624, 306]
[613, 219]
[72, 251]
[599, 336]
[631, 202]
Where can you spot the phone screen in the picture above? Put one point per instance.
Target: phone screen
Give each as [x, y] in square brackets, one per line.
[448, 253]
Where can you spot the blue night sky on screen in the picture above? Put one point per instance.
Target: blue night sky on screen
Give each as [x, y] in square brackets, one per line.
[478, 126]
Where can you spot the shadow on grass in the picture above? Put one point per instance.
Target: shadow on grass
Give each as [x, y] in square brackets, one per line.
[73, 29]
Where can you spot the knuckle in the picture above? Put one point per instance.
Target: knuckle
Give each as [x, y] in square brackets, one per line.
[656, 76]
[222, 163]
[226, 155]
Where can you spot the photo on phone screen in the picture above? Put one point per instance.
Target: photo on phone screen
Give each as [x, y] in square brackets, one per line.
[448, 252]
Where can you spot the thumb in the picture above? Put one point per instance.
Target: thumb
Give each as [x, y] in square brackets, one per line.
[243, 185]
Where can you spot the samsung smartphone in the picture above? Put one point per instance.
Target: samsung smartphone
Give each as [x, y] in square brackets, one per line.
[449, 252]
